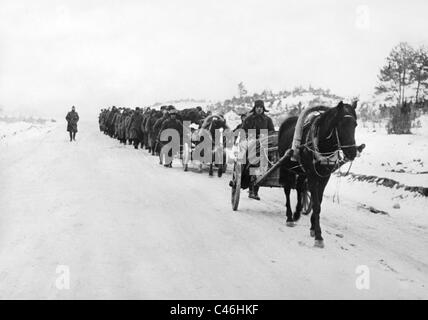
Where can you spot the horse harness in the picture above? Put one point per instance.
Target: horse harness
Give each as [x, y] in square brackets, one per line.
[332, 160]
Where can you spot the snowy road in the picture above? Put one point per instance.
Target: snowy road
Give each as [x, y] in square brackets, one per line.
[126, 227]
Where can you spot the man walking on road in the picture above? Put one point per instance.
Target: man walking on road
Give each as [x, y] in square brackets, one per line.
[72, 119]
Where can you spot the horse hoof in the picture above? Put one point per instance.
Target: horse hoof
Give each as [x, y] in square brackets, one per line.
[319, 244]
[290, 224]
[312, 232]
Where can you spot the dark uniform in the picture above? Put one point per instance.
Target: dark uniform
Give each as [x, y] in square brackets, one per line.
[157, 126]
[258, 122]
[135, 133]
[170, 123]
[72, 119]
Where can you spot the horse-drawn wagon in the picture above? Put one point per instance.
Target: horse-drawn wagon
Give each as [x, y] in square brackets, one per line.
[203, 140]
[304, 154]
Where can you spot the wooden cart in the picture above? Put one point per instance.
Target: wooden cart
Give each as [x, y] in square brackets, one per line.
[268, 177]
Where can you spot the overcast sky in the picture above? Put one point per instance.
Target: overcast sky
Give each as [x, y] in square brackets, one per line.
[57, 53]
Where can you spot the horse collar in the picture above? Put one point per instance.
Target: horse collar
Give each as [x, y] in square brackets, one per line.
[330, 158]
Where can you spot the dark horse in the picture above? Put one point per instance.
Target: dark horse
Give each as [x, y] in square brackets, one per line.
[325, 137]
[211, 124]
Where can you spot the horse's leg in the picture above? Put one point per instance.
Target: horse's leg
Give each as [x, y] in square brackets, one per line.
[313, 188]
[211, 172]
[153, 145]
[299, 205]
[300, 189]
[289, 213]
[317, 187]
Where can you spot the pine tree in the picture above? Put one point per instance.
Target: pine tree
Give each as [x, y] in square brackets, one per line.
[397, 74]
[419, 70]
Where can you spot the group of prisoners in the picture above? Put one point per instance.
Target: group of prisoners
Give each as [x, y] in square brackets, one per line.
[142, 127]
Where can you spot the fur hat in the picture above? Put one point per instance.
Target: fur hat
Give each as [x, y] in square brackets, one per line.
[258, 103]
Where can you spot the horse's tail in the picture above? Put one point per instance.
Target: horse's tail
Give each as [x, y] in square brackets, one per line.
[285, 139]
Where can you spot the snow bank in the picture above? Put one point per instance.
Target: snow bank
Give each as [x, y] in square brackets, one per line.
[11, 132]
[402, 158]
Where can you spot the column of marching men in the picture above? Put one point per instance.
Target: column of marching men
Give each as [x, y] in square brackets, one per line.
[141, 127]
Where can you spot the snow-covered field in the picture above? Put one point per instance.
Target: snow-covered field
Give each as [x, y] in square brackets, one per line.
[125, 227]
[400, 157]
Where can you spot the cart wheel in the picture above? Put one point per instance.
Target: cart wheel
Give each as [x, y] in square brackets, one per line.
[236, 185]
[307, 203]
[186, 156]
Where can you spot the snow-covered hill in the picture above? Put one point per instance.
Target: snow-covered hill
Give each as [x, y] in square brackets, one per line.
[280, 104]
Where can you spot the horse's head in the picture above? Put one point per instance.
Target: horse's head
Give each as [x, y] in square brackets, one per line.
[345, 124]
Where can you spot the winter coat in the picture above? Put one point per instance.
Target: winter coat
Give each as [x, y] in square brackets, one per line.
[258, 122]
[72, 119]
[135, 126]
[158, 125]
[151, 136]
[116, 122]
[169, 123]
[127, 126]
